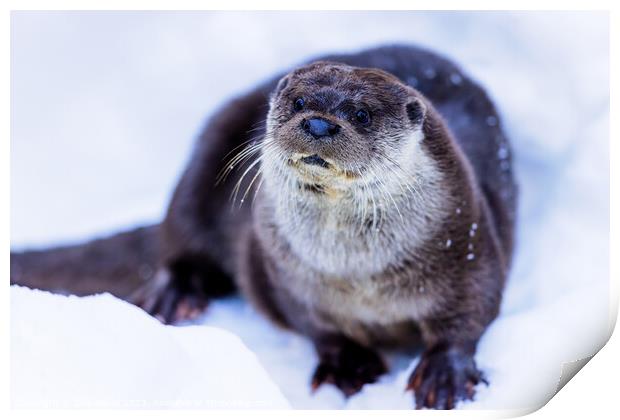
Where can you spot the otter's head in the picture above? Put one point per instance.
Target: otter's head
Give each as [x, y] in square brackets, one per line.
[333, 125]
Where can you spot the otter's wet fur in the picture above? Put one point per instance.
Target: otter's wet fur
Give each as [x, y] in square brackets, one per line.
[363, 200]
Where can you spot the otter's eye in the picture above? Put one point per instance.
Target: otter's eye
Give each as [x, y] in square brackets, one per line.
[299, 104]
[362, 116]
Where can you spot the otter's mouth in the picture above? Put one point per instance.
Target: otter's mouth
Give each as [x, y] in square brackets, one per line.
[316, 169]
[315, 160]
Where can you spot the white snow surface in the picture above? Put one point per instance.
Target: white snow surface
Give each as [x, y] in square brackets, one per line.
[99, 351]
[117, 99]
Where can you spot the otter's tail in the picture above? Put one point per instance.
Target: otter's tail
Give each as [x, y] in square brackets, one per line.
[118, 264]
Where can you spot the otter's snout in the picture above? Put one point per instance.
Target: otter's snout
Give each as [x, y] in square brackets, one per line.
[319, 127]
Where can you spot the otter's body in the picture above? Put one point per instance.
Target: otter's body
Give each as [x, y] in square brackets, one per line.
[373, 205]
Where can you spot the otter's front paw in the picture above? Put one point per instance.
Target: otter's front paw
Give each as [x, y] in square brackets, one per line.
[349, 367]
[167, 301]
[444, 376]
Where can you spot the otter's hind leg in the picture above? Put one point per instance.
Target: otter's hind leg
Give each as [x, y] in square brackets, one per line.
[183, 290]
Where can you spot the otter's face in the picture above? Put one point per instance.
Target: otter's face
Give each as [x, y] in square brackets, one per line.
[335, 124]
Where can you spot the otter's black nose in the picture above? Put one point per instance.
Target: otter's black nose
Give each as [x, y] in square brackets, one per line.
[319, 127]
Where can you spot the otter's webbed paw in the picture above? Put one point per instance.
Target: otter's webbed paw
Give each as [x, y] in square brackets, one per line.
[444, 376]
[170, 301]
[348, 366]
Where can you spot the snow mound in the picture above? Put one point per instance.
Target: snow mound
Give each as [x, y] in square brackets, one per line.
[98, 351]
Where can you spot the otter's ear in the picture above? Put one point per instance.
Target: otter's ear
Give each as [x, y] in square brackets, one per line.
[282, 84]
[416, 111]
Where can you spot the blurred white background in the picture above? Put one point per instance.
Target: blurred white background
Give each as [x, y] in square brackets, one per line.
[106, 105]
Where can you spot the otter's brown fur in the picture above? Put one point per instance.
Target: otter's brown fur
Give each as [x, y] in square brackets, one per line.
[376, 234]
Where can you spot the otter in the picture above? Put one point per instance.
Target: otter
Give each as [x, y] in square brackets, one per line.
[366, 201]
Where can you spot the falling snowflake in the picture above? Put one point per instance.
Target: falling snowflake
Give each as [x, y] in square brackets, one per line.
[412, 81]
[430, 73]
[456, 79]
[502, 153]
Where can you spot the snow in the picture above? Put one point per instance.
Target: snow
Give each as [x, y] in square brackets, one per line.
[102, 352]
[116, 112]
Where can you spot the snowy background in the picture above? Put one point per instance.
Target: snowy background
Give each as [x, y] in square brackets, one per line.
[104, 111]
